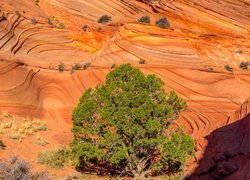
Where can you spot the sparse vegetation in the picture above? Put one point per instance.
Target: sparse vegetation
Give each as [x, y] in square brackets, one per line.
[209, 69]
[33, 21]
[162, 23]
[112, 66]
[16, 169]
[61, 67]
[18, 128]
[86, 65]
[244, 65]
[144, 19]
[56, 158]
[104, 19]
[142, 61]
[18, 13]
[85, 27]
[2, 145]
[61, 25]
[49, 21]
[120, 127]
[228, 68]
[75, 67]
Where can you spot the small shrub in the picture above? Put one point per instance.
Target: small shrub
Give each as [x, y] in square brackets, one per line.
[61, 67]
[33, 21]
[209, 69]
[142, 61]
[41, 141]
[18, 13]
[14, 169]
[49, 21]
[55, 158]
[61, 25]
[228, 68]
[84, 27]
[244, 65]
[162, 23]
[104, 19]
[86, 65]
[2, 145]
[112, 66]
[144, 19]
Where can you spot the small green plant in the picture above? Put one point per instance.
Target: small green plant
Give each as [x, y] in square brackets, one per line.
[61, 25]
[144, 19]
[85, 27]
[104, 19]
[142, 61]
[56, 158]
[18, 13]
[75, 67]
[2, 145]
[33, 21]
[61, 67]
[228, 68]
[244, 65]
[49, 21]
[86, 65]
[162, 23]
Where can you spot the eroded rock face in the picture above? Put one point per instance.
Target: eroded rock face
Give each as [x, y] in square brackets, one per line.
[189, 57]
[227, 155]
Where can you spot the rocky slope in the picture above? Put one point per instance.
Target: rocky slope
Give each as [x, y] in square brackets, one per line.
[189, 57]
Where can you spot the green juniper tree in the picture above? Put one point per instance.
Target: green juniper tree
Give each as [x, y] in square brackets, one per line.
[123, 126]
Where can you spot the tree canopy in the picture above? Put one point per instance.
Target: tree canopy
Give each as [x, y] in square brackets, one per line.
[124, 126]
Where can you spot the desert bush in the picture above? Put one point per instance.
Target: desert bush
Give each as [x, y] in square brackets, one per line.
[61, 67]
[244, 65]
[85, 27]
[15, 169]
[18, 13]
[2, 145]
[142, 61]
[228, 68]
[55, 158]
[49, 21]
[120, 127]
[61, 25]
[86, 65]
[75, 67]
[33, 21]
[162, 23]
[104, 19]
[144, 19]
[113, 66]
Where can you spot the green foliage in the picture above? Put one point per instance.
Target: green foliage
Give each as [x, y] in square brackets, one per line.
[61, 67]
[144, 19]
[244, 65]
[55, 158]
[228, 68]
[18, 13]
[120, 126]
[162, 23]
[75, 67]
[33, 21]
[61, 25]
[104, 19]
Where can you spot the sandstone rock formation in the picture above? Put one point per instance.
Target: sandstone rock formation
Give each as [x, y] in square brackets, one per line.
[189, 57]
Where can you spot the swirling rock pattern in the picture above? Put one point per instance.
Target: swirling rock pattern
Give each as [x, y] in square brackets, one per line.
[189, 57]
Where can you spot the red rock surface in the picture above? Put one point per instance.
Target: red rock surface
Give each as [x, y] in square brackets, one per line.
[203, 34]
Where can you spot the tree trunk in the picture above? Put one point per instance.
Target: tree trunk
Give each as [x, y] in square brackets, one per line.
[139, 176]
